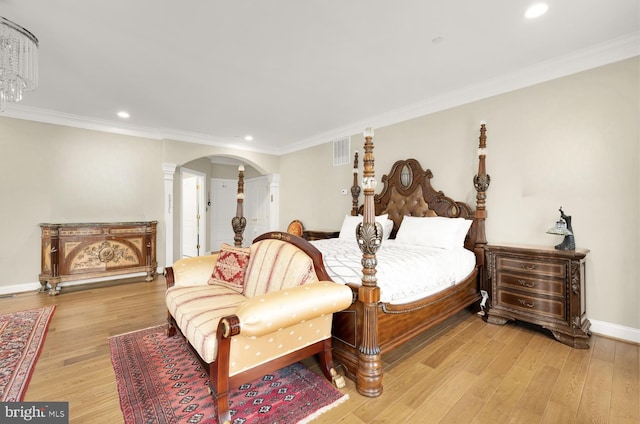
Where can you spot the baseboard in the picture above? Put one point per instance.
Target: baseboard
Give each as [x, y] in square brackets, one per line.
[6, 291]
[615, 331]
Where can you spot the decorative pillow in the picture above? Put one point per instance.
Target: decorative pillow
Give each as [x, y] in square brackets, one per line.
[438, 231]
[348, 230]
[230, 267]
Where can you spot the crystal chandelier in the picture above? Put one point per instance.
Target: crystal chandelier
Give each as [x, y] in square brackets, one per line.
[18, 62]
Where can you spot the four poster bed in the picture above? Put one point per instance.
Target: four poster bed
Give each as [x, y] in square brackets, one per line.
[391, 304]
[380, 317]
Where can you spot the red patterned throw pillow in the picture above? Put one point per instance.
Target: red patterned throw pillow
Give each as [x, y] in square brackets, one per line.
[230, 267]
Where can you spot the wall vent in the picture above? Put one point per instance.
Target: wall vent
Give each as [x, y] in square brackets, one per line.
[341, 151]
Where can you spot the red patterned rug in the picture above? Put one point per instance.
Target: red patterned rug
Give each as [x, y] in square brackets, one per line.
[21, 338]
[161, 381]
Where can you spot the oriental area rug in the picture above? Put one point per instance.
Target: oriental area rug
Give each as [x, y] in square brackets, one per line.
[21, 338]
[160, 380]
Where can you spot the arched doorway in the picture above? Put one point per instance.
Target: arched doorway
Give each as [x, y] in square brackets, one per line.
[219, 190]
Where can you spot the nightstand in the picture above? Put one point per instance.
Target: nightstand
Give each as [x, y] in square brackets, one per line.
[319, 234]
[539, 285]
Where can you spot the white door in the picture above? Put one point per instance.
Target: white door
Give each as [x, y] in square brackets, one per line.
[223, 209]
[256, 206]
[192, 226]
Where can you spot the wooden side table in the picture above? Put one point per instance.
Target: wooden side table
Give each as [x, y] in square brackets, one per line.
[319, 234]
[540, 285]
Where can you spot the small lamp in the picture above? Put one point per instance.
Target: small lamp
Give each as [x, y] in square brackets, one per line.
[563, 228]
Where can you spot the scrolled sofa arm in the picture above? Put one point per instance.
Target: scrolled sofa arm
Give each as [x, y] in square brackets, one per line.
[270, 312]
[191, 271]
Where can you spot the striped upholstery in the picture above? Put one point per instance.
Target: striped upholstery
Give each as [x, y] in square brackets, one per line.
[275, 265]
[197, 310]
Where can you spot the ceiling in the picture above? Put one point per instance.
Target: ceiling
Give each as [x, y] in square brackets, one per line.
[296, 73]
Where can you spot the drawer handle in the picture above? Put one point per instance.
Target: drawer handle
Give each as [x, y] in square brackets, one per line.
[526, 283]
[528, 267]
[527, 304]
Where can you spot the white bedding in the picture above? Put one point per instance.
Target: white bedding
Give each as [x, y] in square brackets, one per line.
[404, 272]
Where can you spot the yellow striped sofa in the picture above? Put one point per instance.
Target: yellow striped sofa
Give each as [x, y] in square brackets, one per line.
[281, 313]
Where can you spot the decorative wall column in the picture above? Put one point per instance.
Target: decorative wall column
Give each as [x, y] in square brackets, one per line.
[369, 236]
[169, 170]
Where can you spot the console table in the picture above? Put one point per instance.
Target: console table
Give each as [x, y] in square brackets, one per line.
[91, 250]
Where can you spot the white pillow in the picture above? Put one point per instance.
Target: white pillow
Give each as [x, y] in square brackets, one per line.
[437, 231]
[387, 227]
[350, 223]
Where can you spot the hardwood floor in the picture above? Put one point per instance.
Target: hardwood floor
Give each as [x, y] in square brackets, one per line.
[464, 371]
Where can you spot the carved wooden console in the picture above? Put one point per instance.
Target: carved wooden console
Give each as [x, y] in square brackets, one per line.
[90, 250]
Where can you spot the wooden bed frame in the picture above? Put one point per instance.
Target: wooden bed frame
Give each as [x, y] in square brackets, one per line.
[370, 328]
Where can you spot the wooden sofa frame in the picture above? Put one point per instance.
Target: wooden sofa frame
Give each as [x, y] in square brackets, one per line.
[219, 380]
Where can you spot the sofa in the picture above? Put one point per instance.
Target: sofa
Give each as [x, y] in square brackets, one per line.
[249, 311]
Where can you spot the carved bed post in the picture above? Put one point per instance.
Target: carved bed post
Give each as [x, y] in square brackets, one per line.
[355, 188]
[239, 222]
[369, 236]
[481, 183]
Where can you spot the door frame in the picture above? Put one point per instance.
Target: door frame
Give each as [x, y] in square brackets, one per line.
[200, 204]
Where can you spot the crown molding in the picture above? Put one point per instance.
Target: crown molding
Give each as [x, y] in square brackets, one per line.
[603, 54]
[599, 55]
[18, 111]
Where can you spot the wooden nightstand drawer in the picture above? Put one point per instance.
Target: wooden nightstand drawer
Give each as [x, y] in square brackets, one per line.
[531, 266]
[540, 285]
[552, 308]
[532, 283]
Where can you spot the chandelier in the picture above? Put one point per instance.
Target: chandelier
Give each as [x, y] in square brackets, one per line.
[18, 62]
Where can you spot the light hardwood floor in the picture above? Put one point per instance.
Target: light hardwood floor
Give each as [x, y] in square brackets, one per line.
[464, 371]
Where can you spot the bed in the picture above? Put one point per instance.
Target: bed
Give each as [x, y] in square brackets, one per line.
[376, 323]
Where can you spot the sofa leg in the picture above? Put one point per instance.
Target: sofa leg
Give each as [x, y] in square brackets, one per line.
[170, 331]
[222, 403]
[337, 380]
[326, 359]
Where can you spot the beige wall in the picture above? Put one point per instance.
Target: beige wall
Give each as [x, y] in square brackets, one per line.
[571, 142]
[51, 173]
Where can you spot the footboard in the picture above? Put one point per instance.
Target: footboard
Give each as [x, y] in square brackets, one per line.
[370, 328]
[397, 324]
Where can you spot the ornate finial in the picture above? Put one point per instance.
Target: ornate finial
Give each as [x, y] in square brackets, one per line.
[355, 187]
[239, 222]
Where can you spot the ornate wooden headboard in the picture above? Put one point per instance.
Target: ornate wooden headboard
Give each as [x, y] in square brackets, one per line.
[407, 190]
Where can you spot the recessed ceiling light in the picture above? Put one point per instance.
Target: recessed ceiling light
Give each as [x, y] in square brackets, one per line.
[248, 137]
[536, 10]
[123, 114]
